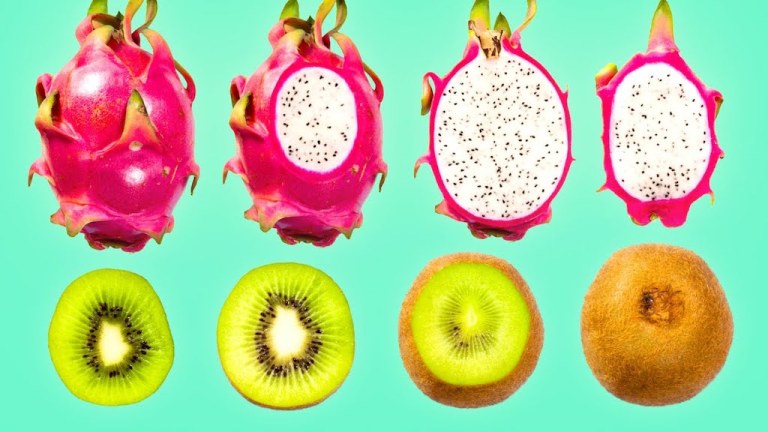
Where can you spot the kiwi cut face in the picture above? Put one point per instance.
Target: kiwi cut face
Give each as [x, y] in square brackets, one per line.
[656, 327]
[285, 336]
[470, 330]
[109, 338]
[470, 324]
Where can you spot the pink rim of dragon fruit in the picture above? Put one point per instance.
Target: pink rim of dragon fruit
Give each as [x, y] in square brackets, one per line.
[658, 162]
[500, 162]
[118, 133]
[309, 131]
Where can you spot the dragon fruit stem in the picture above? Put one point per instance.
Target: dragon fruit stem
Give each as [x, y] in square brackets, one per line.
[98, 7]
[341, 17]
[502, 25]
[151, 14]
[490, 40]
[532, 8]
[480, 14]
[290, 10]
[130, 10]
[662, 36]
[322, 13]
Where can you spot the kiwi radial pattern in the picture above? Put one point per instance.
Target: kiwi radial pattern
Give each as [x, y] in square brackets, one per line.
[470, 331]
[285, 336]
[109, 338]
[656, 326]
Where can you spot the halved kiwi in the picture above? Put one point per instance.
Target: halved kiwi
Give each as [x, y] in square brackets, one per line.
[470, 330]
[109, 338]
[285, 336]
[656, 326]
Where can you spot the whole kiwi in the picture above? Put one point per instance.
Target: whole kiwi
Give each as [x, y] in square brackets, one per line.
[656, 327]
[518, 327]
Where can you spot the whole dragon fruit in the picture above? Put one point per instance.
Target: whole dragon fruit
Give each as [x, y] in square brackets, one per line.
[117, 131]
[309, 131]
[658, 129]
[500, 132]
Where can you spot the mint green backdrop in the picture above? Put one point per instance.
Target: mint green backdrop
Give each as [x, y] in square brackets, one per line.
[212, 245]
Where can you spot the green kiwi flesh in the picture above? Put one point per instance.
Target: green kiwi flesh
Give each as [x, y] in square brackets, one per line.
[285, 336]
[470, 324]
[109, 338]
[470, 331]
[656, 326]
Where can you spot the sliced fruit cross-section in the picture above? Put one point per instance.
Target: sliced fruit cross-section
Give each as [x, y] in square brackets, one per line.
[285, 336]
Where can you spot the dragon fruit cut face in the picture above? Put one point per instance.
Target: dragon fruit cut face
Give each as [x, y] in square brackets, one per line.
[500, 132]
[309, 131]
[659, 130]
[117, 131]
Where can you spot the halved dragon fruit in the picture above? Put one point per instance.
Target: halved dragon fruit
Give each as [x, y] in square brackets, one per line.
[659, 129]
[500, 132]
[117, 131]
[309, 131]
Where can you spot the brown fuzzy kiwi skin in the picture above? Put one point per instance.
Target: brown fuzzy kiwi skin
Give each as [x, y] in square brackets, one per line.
[469, 396]
[656, 327]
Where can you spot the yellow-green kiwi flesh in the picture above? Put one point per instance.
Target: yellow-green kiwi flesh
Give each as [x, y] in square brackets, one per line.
[470, 332]
[285, 336]
[656, 326]
[109, 338]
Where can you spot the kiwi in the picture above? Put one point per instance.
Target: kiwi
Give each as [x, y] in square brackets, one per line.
[285, 336]
[109, 338]
[656, 326]
[470, 331]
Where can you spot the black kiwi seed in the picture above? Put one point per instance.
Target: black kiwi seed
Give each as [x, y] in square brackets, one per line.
[264, 353]
[139, 346]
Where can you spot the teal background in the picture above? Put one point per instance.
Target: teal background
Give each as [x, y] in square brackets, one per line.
[213, 245]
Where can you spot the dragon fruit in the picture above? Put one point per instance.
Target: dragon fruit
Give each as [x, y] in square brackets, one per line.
[309, 131]
[500, 132]
[659, 130]
[117, 131]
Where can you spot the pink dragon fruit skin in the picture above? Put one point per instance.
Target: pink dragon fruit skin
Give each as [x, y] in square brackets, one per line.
[117, 131]
[511, 228]
[304, 204]
[662, 204]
